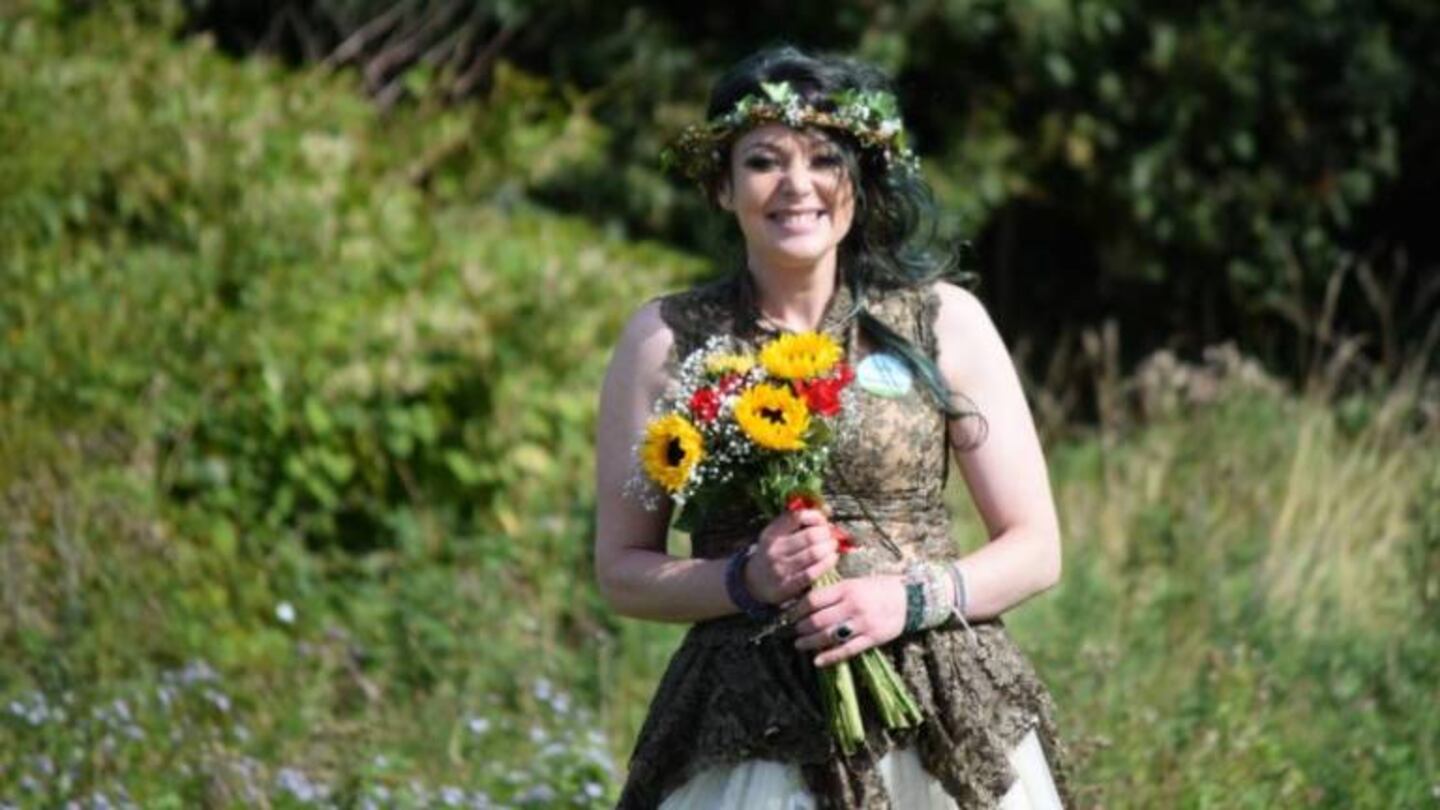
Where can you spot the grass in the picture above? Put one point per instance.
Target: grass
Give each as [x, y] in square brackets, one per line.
[1247, 619]
[1243, 621]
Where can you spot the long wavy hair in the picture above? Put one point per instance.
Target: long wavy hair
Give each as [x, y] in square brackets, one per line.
[893, 242]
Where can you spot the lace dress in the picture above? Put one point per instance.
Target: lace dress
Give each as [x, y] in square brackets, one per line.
[727, 706]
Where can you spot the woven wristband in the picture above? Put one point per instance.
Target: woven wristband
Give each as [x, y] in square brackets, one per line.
[739, 594]
[926, 603]
[914, 600]
[937, 607]
[914, 606]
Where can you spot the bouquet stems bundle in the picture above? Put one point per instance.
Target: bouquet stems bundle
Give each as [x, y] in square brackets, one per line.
[892, 697]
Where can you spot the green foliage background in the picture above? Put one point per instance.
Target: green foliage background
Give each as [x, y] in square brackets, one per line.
[1110, 159]
[296, 404]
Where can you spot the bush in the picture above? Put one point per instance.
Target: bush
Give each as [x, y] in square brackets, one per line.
[305, 393]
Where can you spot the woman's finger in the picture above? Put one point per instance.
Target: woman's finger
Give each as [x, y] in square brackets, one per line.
[820, 621]
[815, 599]
[812, 551]
[801, 540]
[824, 533]
[858, 643]
[809, 517]
[802, 568]
[810, 574]
[788, 523]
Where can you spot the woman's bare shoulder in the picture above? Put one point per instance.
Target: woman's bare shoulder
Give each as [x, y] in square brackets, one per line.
[958, 304]
[646, 340]
[970, 350]
[962, 318]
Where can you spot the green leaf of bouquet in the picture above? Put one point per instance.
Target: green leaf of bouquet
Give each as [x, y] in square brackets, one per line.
[690, 516]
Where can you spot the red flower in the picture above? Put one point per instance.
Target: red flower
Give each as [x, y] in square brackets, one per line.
[729, 383]
[823, 396]
[800, 501]
[705, 404]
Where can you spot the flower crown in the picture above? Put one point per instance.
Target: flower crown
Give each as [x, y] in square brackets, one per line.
[872, 116]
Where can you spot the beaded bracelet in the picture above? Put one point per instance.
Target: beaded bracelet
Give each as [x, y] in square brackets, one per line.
[739, 594]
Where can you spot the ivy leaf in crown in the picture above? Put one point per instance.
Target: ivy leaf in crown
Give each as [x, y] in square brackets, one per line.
[779, 92]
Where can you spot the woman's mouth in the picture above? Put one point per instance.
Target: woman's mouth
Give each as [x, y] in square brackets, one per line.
[797, 220]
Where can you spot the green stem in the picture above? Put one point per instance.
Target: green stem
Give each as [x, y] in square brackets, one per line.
[897, 707]
[842, 704]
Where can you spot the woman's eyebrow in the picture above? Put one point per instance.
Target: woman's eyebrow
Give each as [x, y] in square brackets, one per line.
[770, 146]
[819, 146]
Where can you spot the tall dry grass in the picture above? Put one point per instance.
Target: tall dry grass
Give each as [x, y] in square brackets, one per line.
[1247, 617]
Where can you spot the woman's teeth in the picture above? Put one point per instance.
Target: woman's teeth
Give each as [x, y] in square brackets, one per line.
[797, 219]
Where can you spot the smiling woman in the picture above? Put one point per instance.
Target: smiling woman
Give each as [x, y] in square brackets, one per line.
[809, 156]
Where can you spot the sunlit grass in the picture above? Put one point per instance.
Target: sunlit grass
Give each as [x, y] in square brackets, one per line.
[1247, 618]
[1241, 621]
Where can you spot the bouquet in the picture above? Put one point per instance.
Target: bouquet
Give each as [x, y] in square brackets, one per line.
[760, 426]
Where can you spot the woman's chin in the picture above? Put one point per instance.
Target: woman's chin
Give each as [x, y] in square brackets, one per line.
[799, 251]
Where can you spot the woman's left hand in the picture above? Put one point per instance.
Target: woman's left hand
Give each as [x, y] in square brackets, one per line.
[873, 608]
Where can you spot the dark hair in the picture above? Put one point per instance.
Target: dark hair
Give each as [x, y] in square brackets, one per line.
[893, 241]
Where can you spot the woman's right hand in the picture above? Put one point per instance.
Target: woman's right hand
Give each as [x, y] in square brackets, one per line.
[793, 551]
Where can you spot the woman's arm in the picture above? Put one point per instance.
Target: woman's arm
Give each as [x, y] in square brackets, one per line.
[633, 571]
[1007, 479]
[1006, 473]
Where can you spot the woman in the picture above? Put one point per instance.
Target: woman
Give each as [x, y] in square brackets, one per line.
[808, 155]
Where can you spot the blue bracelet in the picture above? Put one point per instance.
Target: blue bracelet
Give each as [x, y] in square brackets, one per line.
[739, 594]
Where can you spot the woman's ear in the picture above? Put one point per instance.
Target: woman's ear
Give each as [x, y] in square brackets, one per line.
[723, 195]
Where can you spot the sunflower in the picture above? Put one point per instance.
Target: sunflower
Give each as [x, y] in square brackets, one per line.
[671, 449]
[721, 364]
[773, 417]
[801, 356]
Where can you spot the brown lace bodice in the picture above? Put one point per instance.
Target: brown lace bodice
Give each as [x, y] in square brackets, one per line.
[725, 698]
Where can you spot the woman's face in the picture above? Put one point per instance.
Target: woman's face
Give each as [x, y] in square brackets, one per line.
[791, 194]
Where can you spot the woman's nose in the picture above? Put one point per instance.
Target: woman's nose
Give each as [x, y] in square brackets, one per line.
[799, 179]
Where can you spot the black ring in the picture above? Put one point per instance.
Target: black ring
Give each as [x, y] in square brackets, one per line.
[843, 631]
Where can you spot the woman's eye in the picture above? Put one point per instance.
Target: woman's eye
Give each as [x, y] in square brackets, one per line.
[759, 164]
[827, 161]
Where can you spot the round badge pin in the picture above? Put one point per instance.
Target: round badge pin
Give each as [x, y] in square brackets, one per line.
[884, 375]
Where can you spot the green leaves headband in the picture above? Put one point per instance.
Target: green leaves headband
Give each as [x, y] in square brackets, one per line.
[872, 116]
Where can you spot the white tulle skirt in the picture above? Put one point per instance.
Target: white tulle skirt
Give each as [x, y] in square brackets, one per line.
[759, 784]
